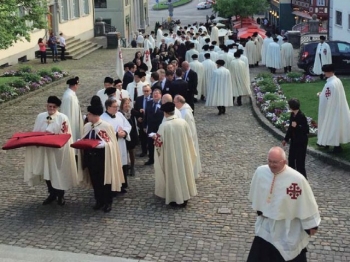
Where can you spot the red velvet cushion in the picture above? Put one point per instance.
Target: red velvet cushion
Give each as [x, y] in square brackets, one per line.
[86, 144]
[45, 139]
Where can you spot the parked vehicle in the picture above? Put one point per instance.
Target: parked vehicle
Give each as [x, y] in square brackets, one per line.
[340, 56]
[204, 5]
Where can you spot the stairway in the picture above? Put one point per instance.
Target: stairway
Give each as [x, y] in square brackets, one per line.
[75, 49]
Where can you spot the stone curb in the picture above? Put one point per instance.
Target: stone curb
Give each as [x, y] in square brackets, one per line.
[167, 8]
[32, 93]
[267, 125]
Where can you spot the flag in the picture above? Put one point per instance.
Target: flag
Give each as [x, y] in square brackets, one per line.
[147, 59]
[119, 65]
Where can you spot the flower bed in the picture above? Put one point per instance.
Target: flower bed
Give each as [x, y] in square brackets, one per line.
[273, 103]
[28, 80]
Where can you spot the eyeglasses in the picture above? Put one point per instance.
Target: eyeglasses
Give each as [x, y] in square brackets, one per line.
[52, 106]
[274, 162]
[146, 91]
[114, 106]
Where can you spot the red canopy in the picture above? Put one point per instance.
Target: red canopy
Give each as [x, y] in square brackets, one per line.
[247, 33]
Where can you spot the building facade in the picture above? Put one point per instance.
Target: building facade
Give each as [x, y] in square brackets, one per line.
[305, 9]
[127, 16]
[339, 20]
[280, 15]
[71, 17]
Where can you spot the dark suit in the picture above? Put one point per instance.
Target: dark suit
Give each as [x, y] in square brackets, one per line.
[178, 87]
[166, 88]
[298, 142]
[192, 80]
[153, 119]
[156, 85]
[127, 79]
[163, 48]
[139, 104]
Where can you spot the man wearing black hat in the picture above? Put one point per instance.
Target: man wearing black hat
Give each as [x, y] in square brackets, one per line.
[209, 67]
[191, 78]
[191, 52]
[56, 166]
[174, 159]
[102, 93]
[135, 88]
[105, 175]
[197, 67]
[264, 47]
[179, 86]
[71, 108]
[333, 113]
[287, 53]
[120, 93]
[323, 56]
[273, 56]
[128, 77]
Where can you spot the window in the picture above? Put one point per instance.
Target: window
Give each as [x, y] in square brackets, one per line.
[343, 48]
[338, 18]
[75, 8]
[321, 2]
[64, 10]
[86, 7]
[100, 3]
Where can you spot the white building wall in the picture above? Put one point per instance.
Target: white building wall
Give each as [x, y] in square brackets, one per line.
[337, 32]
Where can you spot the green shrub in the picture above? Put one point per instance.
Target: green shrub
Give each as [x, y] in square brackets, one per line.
[268, 87]
[25, 69]
[278, 104]
[31, 77]
[6, 88]
[285, 116]
[271, 97]
[18, 83]
[265, 75]
[294, 75]
[45, 72]
[56, 69]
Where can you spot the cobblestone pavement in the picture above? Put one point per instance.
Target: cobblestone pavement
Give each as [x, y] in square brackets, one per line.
[140, 226]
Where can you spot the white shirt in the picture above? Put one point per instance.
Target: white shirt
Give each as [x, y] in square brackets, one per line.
[62, 41]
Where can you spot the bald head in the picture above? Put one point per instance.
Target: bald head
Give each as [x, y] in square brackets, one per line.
[185, 65]
[278, 152]
[276, 159]
[167, 98]
[179, 101]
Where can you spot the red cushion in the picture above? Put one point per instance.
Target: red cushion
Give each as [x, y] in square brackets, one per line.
[86, 144]
[36, 139]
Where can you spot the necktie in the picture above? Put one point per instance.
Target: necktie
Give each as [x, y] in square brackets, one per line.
[144, 102]
[92, 134]
[49, 118]
[135, 93]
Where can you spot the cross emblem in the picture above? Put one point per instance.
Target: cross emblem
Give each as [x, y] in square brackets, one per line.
[294, 191]
[147, 55]
[64, 128]
[158, 141]
[328, 92]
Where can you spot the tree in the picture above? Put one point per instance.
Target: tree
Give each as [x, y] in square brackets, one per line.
[242, 8]
[18, 18]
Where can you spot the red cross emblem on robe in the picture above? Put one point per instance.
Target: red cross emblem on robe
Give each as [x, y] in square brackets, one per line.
[103, 134]
[328, 92]
[325, 51]
[158, 141]
[64, 127]
[120, 55]
[294, 191]
[147, 55]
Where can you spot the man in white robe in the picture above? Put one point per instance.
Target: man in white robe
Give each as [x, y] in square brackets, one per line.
[273, 56]
[56, 166]
[209, 67]
[287, 54]
[251, 51]
[205, 49]
[135, 88]
[168, 98]
[259, 41]
[159, 35]
[213, 55]
[190, 52]
[197, 66]
[175, 156]
[151, 39]
[140, 39]
[220, 90]
[239, 79]
[147, 45]
[226, 56]
[266, 43]
[107, 83]
[287, 211]
[187, 115]
[102, 164]
[333, 113]
[214, 34]
[323, 56]
[120, 92]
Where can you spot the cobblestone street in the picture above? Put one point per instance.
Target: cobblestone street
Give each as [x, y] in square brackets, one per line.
[140, 226]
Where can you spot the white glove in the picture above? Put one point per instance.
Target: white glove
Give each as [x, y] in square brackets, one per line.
[101, 144]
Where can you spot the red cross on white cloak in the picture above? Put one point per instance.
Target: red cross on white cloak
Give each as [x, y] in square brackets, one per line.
[294, 191]
[328, 92]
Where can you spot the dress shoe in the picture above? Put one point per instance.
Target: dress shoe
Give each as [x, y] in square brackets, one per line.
[184, 204]
[61, 201]
[97, 206]
[149, 162]
[132, 171]
[142, 154]
[325, 147]
[219, 113]
[337, 149]
[173, 204]
[107, 208]
[123, 190]
[49, 200]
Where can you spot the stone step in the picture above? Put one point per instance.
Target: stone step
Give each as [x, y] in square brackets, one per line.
[92, 49]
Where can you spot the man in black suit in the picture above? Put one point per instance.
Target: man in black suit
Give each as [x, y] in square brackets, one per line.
[191, 78]
[166, 82]
[153, 119]
[155, 81]
[179, 86]
[139, 112]
[129, 74]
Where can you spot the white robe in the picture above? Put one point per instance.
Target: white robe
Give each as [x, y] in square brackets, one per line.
[174, 157]
[147, 44]
[197, 66]
[333, 114]
[265, 45]
[273, 56]
[324, 51]
[153, 42]
[71, 108]
[120, 122]
[239, 78]
[259, 43]
[209, 67]
[131, 89]
[214, 35]
[286, 215]
[245, 60]
[214, 56]
[187, 115]
[101, 94]
[251, 51]
[189, 54]
[120, 94]
[159, 36]
[113, 165]
[55, 164]
[227, 57]
[287, 54]
[201, 57]
[177, 114]
[220, 90]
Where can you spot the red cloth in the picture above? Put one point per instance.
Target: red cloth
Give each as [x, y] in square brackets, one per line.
[86, 144]
[45, 139]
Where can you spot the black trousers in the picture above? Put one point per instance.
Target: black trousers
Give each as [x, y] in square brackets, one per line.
[190, 100]
[43, 56]
[143, 140]
[53, 191]
[222, 109]
[125, 173]
[239, 100]
[94, 160]
[63, 50]
[263, 251]
[297, 155]
[151, 148]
